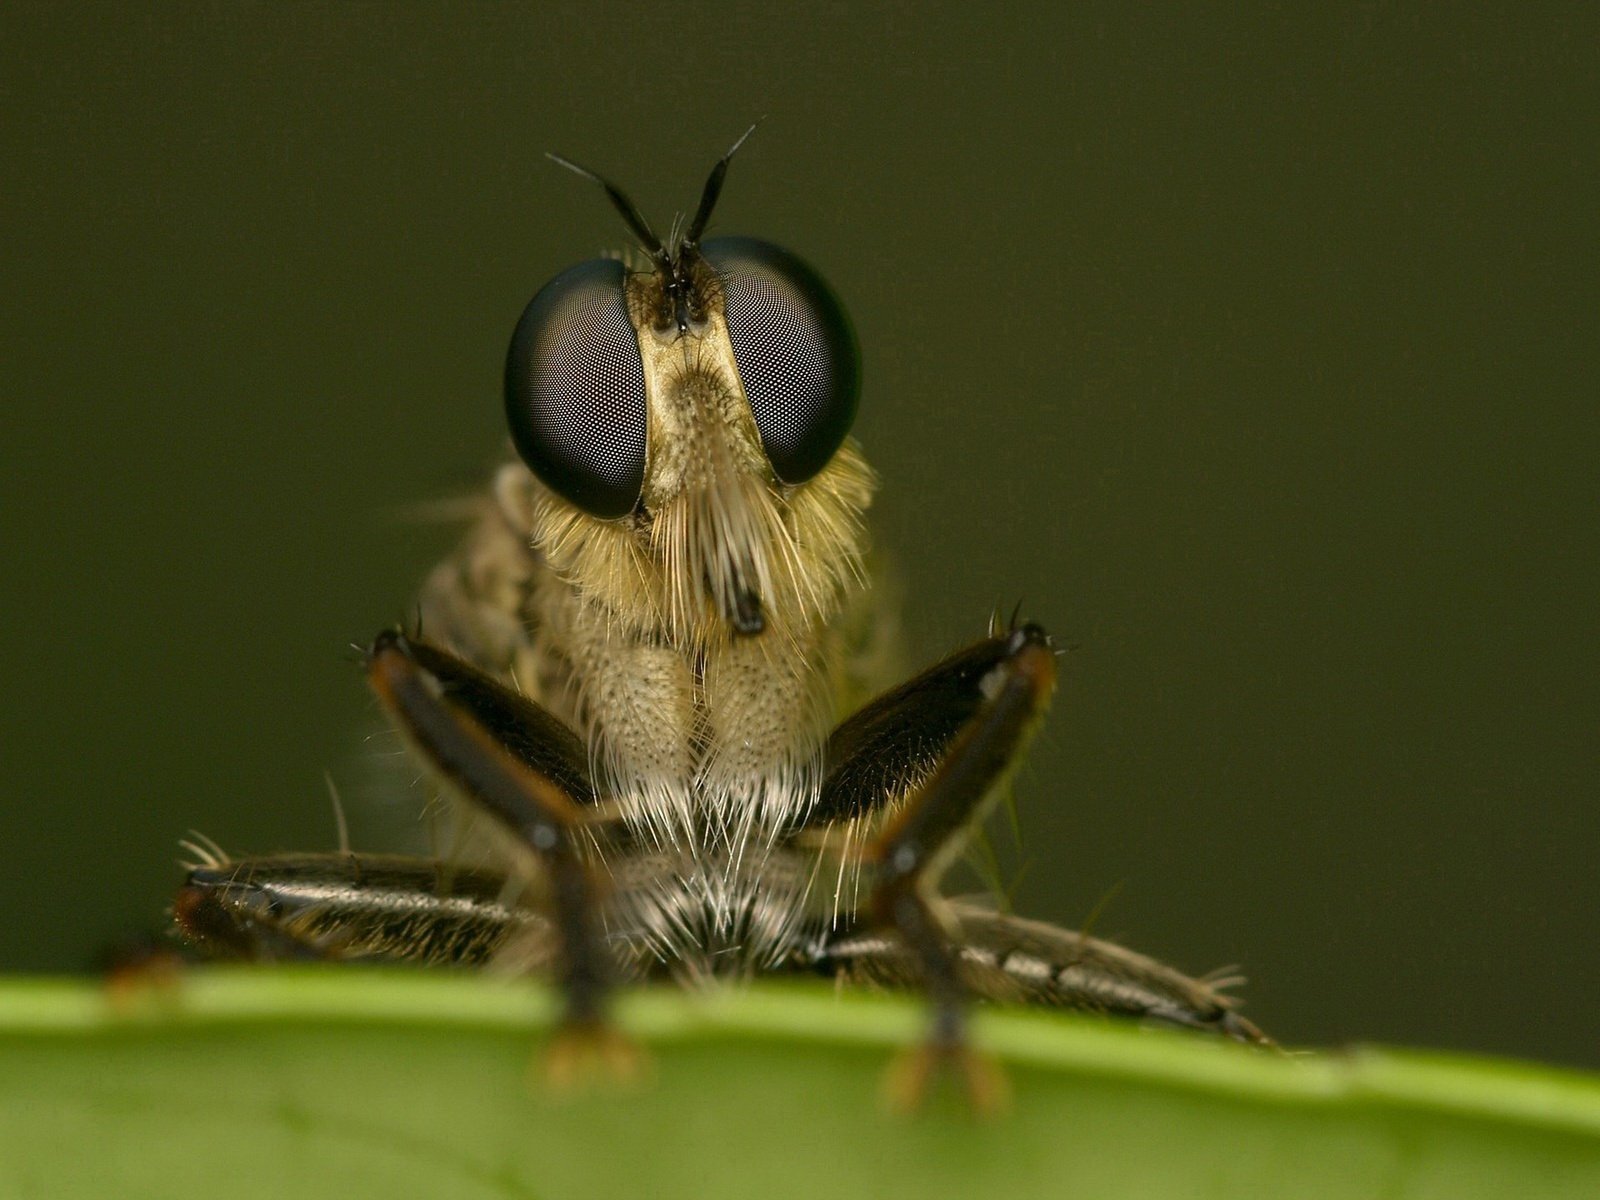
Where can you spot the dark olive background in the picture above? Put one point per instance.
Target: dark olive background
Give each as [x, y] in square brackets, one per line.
[1246, 347]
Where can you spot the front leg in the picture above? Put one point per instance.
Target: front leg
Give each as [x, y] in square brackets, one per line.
[513, 761]
[952, 736]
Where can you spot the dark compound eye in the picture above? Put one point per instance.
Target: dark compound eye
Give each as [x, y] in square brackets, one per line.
[795, 351]
[575, 390]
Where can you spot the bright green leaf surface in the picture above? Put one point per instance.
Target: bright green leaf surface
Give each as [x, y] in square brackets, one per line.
[350, 1084]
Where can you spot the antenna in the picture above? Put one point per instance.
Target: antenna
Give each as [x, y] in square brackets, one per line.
[635, 219]
[619, 201]
[713, 189]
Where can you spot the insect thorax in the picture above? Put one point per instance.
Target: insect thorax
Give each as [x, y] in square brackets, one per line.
[707, 743]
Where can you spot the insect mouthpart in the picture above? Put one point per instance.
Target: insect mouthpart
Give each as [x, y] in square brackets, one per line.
[746, 618]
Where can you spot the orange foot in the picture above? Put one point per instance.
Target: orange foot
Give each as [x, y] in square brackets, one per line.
[912, 1074]
[586, 1053]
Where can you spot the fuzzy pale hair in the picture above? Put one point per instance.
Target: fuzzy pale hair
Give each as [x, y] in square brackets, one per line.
[801, 546]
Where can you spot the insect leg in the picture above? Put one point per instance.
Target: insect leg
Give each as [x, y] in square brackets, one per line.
[382, 907]
[876, 755]
[969, 718]
[497, 750]
[528, 732]
[1009, 959]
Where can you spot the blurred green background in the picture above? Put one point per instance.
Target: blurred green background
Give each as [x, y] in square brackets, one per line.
[1245, 347]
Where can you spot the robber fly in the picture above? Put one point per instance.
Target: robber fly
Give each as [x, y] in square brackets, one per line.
[635, 669]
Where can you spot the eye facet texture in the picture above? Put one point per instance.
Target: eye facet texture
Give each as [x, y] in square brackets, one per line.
[795, 351]
[575, 396]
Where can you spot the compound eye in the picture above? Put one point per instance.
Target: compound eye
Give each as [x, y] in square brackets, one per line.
[575, 396]
[795, 351]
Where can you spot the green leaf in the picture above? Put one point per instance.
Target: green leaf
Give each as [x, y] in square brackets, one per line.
[355, 1084]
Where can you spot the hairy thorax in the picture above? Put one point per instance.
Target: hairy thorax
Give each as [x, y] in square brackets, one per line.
[707, 744]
